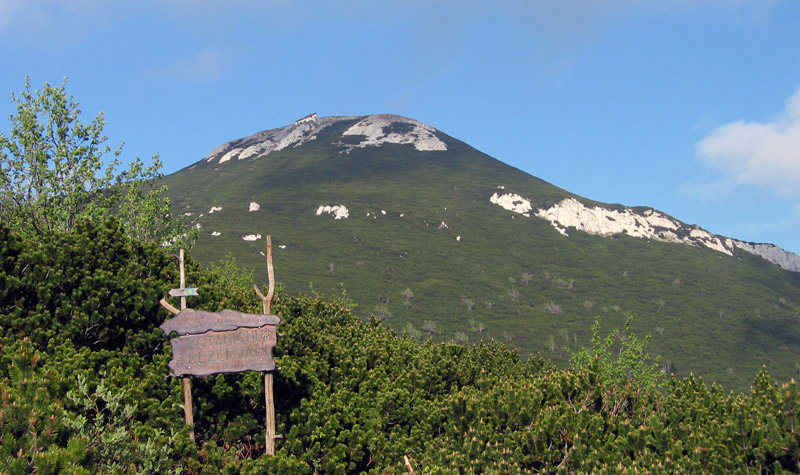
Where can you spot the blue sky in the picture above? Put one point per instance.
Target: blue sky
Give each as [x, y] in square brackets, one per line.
[689, 106]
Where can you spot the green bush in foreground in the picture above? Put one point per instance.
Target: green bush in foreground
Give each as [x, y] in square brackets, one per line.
[352, 396]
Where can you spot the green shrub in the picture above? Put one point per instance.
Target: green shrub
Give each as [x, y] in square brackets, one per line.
[352, 396]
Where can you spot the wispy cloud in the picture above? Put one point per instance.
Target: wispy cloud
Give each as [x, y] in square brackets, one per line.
[759, 153]
[716, 192]
[206, 65]
[9, 9]
[50, 23]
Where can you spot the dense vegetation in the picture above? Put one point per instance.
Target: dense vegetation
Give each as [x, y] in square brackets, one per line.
[84, 387]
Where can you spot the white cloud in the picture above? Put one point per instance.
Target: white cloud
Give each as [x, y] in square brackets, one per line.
[756, 153]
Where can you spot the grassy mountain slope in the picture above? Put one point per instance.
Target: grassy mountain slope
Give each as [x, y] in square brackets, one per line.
[424, 250]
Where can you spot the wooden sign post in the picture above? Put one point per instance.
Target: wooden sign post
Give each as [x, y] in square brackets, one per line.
[183, 292]
[224, 342]
[268, 391]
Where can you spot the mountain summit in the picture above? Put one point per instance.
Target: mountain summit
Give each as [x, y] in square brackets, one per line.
[440, 240]
[372, 130]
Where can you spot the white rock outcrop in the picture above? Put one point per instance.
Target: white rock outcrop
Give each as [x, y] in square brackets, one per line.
[387, 128]
[337, 211]
[251, 237]
[376, 130]
[785, 259]
[649, 224]
[571, 213]
[513, 203]
[654, 225]
[254, 206]
[268, 141]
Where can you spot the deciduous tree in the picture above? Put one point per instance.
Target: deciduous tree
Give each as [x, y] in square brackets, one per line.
[56, 170]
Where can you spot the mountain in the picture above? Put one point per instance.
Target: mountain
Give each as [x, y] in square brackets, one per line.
[441, 240]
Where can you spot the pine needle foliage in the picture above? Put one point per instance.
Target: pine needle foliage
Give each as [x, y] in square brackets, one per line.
[352, 396]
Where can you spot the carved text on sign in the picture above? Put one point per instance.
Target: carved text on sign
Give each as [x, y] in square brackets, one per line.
[232, 351]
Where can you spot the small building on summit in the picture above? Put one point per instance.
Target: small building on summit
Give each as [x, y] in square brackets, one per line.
[309, 118]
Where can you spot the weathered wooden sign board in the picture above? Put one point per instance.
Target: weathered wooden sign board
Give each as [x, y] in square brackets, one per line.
[245, 349]
[191, 321]
[221, 342]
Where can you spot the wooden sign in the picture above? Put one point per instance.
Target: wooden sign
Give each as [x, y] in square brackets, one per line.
[221, 342]
[233, 351]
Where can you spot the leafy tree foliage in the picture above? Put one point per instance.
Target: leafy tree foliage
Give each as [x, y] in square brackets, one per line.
[620, 357]
[52, 173]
